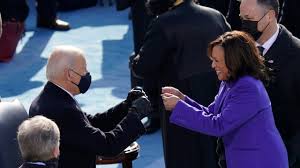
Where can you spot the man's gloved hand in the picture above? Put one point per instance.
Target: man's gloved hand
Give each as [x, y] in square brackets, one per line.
[134, 94]
[141, 106]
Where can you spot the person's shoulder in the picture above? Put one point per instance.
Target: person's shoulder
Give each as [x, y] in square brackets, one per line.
[208, 10]
[249, 83]
[289, 38]
[247, 79]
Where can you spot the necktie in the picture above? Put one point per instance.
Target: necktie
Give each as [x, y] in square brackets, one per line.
[261, 50]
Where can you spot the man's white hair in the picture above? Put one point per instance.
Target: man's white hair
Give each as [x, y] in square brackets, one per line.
[61, 58]
[37, 138]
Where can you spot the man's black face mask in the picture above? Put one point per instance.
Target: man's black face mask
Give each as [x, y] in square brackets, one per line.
[84, 83]
[250, 27]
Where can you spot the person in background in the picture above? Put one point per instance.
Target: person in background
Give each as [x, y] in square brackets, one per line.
[176, 56]
[17, 11]
[232, 15]
[38, 139]
[241, 113]
[84, 136]
[289, 13]
[281, 51]
[141, 19]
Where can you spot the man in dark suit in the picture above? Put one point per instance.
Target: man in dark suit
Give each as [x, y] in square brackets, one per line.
[84, 136]
[174, 53]
[17, 11]
[289, 16]
[282, 57]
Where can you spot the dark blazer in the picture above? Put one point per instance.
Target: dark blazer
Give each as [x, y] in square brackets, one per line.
[84, 136]
[289, 14]
[176, 43]
[283, 59]
[220, 5]
[174, 53]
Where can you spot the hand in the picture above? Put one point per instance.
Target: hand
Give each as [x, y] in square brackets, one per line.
[173, 91]
[134, 94]
[169, 101]
[141, 106]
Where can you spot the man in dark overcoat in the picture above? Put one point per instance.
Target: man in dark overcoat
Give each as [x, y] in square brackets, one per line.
[174, 53]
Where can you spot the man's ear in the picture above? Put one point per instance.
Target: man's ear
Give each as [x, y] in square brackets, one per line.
[272, 14]
[56, 152]
[67, 74]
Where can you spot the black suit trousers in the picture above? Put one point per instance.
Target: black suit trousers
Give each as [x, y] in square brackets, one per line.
[46, 9]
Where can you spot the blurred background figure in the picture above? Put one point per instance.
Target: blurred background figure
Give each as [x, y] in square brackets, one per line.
[67, 5]
[174, 55]
[110, 2]
[289, 16]
[233, 14]
[38, 139]
[141, 18]
[14, 14]
[17, 11]
[220, 5]
[12, 114]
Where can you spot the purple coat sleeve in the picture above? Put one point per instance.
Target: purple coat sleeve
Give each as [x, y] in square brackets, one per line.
[191, 102]
[239, 106]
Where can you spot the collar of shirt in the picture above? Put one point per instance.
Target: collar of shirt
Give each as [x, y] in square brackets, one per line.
[37, 163]
[267, 45]
[65, 91]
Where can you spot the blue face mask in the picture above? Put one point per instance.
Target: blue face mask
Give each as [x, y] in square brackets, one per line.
[84, 83]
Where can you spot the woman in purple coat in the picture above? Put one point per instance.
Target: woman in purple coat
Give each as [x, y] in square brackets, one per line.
[241, 114]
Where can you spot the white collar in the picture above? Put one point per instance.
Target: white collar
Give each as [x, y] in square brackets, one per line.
[267, 45]
[37, 163]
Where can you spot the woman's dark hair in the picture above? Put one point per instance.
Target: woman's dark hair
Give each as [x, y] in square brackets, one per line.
[241, 55]
[157, 7]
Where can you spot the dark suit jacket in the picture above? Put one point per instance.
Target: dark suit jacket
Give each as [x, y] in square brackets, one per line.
[284, 59]
[85, 136]
[175, 54]
[220, 5]
[176, 43]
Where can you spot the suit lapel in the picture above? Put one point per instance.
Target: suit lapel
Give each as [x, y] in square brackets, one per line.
[275, 55]
[221, 98]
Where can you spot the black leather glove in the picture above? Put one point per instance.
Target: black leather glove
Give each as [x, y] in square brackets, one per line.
[141, 106]
[134, 94]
